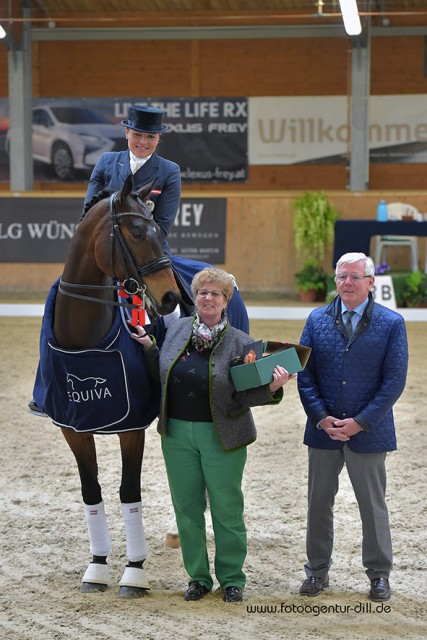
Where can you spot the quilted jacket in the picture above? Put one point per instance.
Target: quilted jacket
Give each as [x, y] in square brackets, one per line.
[360, 379]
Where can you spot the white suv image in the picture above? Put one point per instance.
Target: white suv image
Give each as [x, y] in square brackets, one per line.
[68, 138]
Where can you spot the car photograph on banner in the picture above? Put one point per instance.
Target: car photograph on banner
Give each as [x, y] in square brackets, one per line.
[71, 138]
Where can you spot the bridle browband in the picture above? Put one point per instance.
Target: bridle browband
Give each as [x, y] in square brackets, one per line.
[131, 284]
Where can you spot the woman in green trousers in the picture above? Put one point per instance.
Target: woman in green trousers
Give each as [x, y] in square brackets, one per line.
[206, 426]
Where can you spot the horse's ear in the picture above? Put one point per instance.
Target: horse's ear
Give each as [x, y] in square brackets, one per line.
[145, 191]
[125, 190]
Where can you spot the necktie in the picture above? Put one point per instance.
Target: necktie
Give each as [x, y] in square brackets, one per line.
[348, 326]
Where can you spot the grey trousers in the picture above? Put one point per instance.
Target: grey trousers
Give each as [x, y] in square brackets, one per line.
[368, 477]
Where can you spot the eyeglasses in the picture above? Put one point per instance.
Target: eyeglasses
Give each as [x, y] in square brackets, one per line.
[354, 277]
[204, 293]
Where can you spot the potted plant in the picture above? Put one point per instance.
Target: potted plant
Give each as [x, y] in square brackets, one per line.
[415, 290]
[311, 281]
[314, 230]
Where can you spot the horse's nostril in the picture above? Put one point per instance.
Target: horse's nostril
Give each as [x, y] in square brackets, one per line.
[170, 299]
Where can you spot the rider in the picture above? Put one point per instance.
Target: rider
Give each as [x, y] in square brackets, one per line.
[142, 129]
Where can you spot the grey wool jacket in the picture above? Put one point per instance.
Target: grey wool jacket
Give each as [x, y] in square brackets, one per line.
[230, 409]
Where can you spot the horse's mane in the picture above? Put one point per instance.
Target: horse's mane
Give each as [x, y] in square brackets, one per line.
[101, 195]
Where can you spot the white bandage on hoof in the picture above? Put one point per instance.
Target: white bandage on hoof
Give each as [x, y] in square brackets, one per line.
[97, 574]
[134, 577]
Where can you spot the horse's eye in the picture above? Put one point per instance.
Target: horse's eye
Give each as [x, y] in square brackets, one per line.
[137, 234]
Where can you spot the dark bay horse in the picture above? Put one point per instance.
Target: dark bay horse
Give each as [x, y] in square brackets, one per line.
[84, 382]
[91, 377]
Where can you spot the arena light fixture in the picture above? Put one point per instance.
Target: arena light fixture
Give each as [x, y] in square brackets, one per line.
[350, 16]
[2, 33]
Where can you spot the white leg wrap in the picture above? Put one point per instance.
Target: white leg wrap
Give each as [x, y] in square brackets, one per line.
[172, 536]
[172, 528]
[134, 577]
[97, 574]
[136, 544]
[99, 538]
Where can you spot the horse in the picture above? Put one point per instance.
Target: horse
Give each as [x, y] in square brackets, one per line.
[91, 377]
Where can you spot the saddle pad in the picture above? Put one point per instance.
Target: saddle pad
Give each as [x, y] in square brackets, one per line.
[88, 389]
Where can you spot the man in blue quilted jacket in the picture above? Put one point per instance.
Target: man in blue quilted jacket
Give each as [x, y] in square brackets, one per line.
[355, 374]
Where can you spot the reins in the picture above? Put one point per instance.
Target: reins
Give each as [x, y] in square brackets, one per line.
[130, 285]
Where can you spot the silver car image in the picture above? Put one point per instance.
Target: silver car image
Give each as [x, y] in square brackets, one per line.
[72, 138]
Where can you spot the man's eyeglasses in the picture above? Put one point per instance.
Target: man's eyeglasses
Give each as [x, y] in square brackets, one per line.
[354, 277]
[203, 293]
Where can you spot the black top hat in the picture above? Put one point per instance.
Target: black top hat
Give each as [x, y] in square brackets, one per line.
[145, 119]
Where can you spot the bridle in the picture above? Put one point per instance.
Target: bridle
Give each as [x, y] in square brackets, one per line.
[131, 284]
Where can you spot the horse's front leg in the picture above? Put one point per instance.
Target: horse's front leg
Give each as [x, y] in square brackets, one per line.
[97, 575]
[134, 582]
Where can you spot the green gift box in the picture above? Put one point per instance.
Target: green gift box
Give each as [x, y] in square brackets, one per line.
[292, 357]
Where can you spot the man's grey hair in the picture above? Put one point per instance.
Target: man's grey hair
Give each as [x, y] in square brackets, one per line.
[349, 258]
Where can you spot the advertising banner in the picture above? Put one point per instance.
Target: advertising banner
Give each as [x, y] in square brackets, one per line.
[207, 136]
[40, 229]
[316, 129]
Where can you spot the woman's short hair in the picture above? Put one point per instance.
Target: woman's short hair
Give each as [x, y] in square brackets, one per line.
[217, 276]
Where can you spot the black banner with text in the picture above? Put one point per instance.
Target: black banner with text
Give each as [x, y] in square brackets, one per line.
[40, 229]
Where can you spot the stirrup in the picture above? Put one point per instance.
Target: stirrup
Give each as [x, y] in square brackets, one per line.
[35, 410]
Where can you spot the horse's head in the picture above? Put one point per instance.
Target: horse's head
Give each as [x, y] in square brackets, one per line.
[133, 252]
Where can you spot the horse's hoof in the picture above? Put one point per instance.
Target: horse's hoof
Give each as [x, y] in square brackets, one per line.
[92, 587]
[133, 583]
[96, 578]
[132, 592]
[172, 541]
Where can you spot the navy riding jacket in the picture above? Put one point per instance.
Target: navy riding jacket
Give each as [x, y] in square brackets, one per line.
[112, 169]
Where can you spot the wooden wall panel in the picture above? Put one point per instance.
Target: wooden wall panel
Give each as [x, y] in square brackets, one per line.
[237, 68]
[397, 66]
[284, 67]
[92, 69]
[4, 88]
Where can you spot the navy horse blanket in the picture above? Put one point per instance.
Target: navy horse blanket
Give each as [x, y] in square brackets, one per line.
[102, 390]
[108, 389]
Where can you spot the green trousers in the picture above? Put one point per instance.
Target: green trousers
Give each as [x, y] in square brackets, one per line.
[195, 462]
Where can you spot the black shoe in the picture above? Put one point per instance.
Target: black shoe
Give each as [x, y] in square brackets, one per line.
[312, 586]
[195, 591]
[33, 408]
[233, 594]
[380, 590]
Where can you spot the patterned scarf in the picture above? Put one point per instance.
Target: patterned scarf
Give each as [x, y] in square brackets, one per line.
[205, 338]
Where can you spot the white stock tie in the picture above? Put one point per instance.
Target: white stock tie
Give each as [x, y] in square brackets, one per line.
[134, 166]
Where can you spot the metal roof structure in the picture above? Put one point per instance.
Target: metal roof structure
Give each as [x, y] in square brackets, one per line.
[183, 19]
